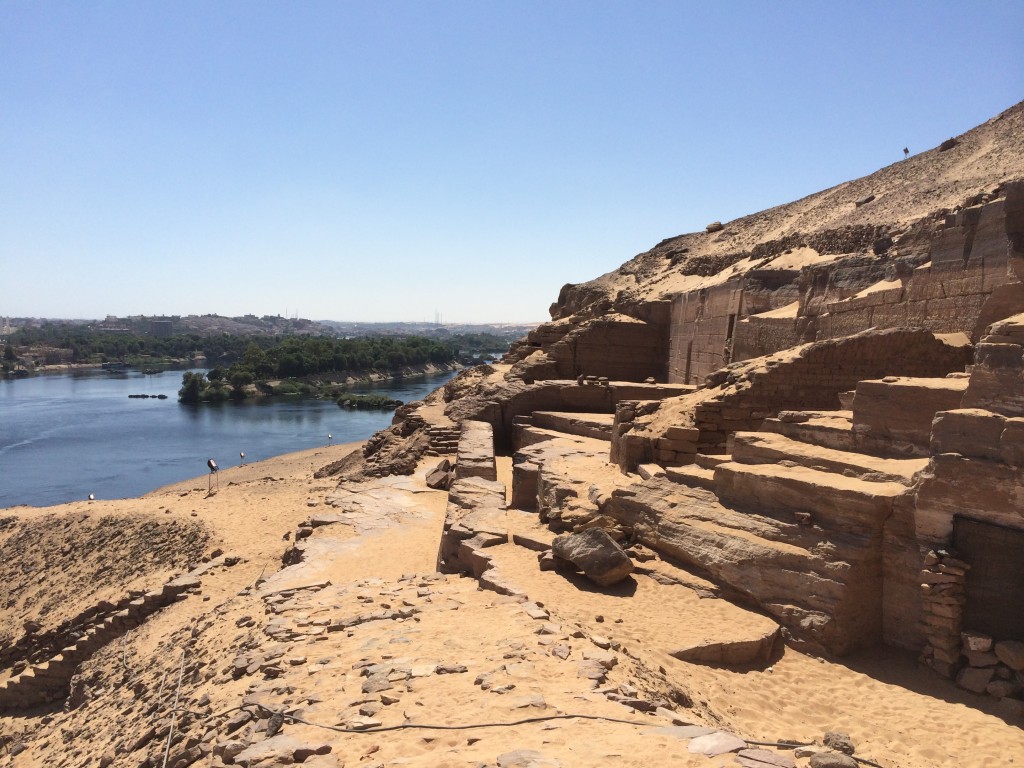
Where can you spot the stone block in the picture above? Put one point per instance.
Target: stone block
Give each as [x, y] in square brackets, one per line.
[969, 432]
[975, 679]
[1011, 653]
[476, 452]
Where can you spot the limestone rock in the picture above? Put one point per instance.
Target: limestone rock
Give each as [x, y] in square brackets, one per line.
[976, 641]
[595, 553]
[281, 748]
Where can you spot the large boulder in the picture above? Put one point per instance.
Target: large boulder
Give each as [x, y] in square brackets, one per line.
[595, 553]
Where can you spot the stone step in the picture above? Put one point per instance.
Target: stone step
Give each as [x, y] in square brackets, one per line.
[692, 475]
[710, 460]
[829, 429]
[595, 425]
[771, 448]
[900, 409]
[834, 502]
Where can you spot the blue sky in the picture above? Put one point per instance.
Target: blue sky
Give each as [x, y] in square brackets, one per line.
[385, 160]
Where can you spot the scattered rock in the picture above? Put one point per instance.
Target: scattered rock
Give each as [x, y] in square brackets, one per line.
[839, 741]
[714, 226]
[595, 553]
[440, 476]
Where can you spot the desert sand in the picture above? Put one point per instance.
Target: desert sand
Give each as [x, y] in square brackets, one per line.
[362, 636]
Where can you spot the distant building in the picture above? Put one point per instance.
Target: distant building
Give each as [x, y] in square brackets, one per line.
[161, 328]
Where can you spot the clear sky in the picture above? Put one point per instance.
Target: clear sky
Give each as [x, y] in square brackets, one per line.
[386, 160]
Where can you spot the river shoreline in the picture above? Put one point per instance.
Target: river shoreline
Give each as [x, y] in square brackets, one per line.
[69, 434]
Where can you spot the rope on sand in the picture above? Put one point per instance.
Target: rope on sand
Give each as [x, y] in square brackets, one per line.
[783, 744]
[174, 709]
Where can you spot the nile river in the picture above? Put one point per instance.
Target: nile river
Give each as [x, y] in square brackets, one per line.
[64, 436]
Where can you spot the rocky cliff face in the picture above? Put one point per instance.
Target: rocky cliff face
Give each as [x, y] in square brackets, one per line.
[933, 241]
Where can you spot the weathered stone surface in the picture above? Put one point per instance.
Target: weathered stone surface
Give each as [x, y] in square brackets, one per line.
[686, 731]
[595, 425]
[901, 409]
[975, 679]
[968, 431]
[832, 760]
[476, 452]
[763, 758]
[717, 743]
[281, 748]
[976, 641]
[986, 491]
[439, 477]
[839, 741]
[778, 565]
[595, 553]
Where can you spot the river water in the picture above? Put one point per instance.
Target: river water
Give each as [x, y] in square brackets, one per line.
[64, 436]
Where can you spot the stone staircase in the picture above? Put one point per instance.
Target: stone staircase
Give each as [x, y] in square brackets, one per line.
[444, 440]
[48, 663]
[793, 517]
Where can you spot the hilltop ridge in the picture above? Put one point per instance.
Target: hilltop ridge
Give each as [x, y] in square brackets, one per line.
[927, 184]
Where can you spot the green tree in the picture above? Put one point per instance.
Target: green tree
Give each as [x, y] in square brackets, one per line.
[192, 385]
[9, 355]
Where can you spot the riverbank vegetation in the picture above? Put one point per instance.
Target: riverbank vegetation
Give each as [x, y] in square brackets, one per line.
[314, 366]
[55, 343]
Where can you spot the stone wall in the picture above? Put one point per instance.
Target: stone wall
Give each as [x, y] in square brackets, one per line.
[500, 406]
[957, 273]
[971, 279]
[742, 396]
[702, 323]
[615, 346]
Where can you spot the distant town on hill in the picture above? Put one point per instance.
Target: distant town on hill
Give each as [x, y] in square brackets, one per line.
[272, 325]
